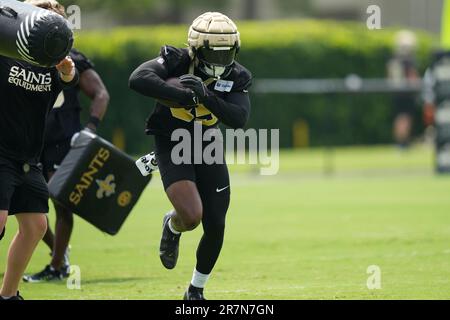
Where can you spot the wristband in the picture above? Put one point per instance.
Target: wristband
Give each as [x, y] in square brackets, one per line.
[95, 121]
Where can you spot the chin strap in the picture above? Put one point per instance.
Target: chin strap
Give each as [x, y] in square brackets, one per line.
[207, 82]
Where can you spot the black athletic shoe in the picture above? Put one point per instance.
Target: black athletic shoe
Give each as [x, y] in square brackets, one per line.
[65, 269]
[193, 293]
[48, 274]
[18, 297]
[169, 247]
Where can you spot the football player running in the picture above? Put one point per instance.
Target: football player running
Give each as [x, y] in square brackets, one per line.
[211, 88]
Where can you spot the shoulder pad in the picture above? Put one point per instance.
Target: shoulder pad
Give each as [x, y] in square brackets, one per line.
[175, 58]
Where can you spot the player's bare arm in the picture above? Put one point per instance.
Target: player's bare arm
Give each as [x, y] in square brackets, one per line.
[93, 87]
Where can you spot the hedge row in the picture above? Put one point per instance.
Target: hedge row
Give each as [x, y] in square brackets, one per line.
[275, 49]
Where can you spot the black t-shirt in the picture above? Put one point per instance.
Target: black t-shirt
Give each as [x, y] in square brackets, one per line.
[27, 93]
[229, 104]
[64, 119]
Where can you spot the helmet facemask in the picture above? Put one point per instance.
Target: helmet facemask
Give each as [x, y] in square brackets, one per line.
[216, 62]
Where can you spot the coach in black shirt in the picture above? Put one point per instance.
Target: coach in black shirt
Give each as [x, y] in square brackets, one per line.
[27, 94]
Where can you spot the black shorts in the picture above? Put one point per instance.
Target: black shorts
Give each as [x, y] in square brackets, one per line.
[209, 178]
[22, 188]
[53, 155]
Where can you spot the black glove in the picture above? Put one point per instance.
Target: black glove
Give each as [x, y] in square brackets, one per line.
[195, 84]
[192, 101]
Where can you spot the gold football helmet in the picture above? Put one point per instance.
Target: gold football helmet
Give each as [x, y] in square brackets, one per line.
[214, 42]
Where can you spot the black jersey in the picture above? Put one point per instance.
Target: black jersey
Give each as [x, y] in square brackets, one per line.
[230, 103]
[64, 119]
[27, 93]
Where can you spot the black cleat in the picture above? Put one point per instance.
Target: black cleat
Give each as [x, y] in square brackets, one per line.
[193, 293]
[169, 247]
[18, 297]
[46, 275]
[65, 269]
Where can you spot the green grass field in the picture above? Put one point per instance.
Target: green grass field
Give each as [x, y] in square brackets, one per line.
[298, 235]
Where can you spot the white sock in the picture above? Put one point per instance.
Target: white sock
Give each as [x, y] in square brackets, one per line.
[199, 279]
[6, 298]
[175, 232]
